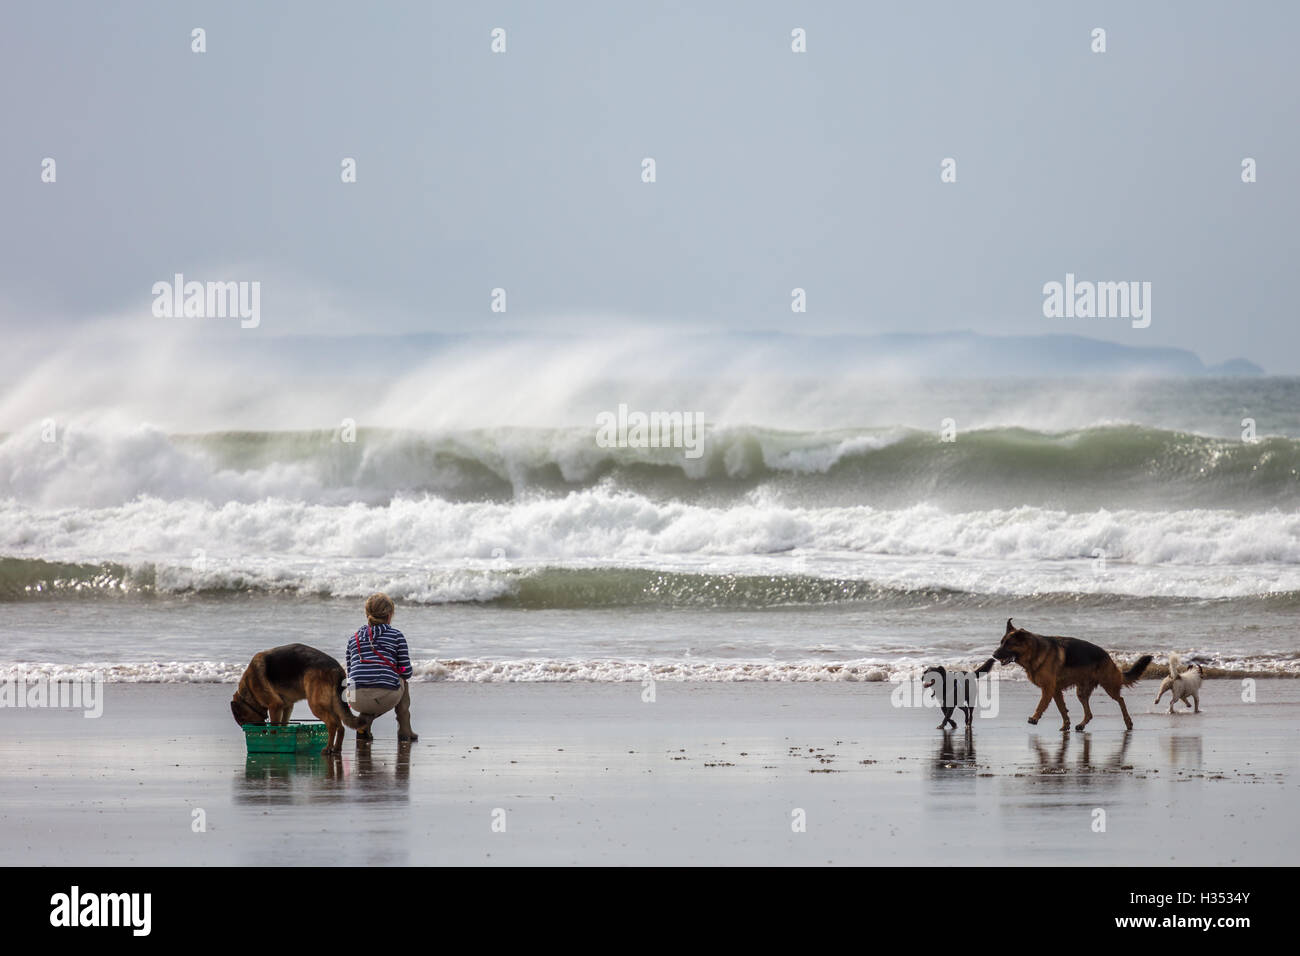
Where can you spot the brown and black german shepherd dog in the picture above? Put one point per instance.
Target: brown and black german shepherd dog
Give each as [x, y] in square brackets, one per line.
[1056, 664]
[277, 679]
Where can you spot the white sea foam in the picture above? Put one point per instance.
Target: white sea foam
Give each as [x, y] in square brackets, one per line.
[282, 543]
[545, 670]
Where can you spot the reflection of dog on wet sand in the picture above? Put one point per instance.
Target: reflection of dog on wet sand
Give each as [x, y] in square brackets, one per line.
[277, 679]
[1056, 664]
[1049, 762]
[956, 753]
[1182, 685]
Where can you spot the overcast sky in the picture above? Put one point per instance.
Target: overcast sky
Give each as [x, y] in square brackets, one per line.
[775, 170]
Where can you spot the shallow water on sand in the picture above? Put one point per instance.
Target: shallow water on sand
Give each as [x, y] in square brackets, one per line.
[705, 773]
[212, 639]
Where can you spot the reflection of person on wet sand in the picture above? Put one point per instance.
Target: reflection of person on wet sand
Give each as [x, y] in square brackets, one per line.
[369, 775]
[379, 668]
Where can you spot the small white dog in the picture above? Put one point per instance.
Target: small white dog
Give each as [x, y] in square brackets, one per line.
[1182, 686]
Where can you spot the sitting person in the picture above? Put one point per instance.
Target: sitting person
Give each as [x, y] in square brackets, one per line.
[379, 666]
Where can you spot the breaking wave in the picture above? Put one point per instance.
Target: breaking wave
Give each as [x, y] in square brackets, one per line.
[1107, 466]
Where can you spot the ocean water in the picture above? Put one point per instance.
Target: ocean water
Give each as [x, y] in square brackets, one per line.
[855, 548]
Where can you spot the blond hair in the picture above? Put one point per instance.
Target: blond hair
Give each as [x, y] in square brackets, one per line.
[379, 608]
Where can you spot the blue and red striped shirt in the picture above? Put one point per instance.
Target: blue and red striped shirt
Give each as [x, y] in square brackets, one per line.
[377, 656]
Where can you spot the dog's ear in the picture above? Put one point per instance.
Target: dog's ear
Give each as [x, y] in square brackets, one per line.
[1010, 627]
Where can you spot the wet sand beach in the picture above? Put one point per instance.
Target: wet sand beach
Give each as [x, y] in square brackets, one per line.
[707, 773]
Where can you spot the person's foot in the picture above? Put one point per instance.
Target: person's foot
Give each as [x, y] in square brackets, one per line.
[365, 735]
[408, 738]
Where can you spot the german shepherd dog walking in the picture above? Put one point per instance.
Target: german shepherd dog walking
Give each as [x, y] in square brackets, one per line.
[1056, 664]
[277, 679]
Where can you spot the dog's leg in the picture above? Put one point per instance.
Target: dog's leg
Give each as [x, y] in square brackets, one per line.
[1084, 694]
[968, 711]
[1197, 698]
[1123, 709]
[1042, 705]
[1060, 705]
[947, 718]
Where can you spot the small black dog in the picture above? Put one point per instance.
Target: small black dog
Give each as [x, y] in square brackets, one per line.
[959, 690]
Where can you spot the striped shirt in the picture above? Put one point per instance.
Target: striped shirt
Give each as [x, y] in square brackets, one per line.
[379, 644]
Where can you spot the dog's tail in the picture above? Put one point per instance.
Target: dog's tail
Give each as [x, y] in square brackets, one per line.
[345, 713]
[1175, 665]
[1134, 673]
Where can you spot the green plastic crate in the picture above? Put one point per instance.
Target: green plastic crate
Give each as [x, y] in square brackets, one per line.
[297, 736]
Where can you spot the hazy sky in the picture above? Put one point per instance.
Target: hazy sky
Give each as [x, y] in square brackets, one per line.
[522, 170]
